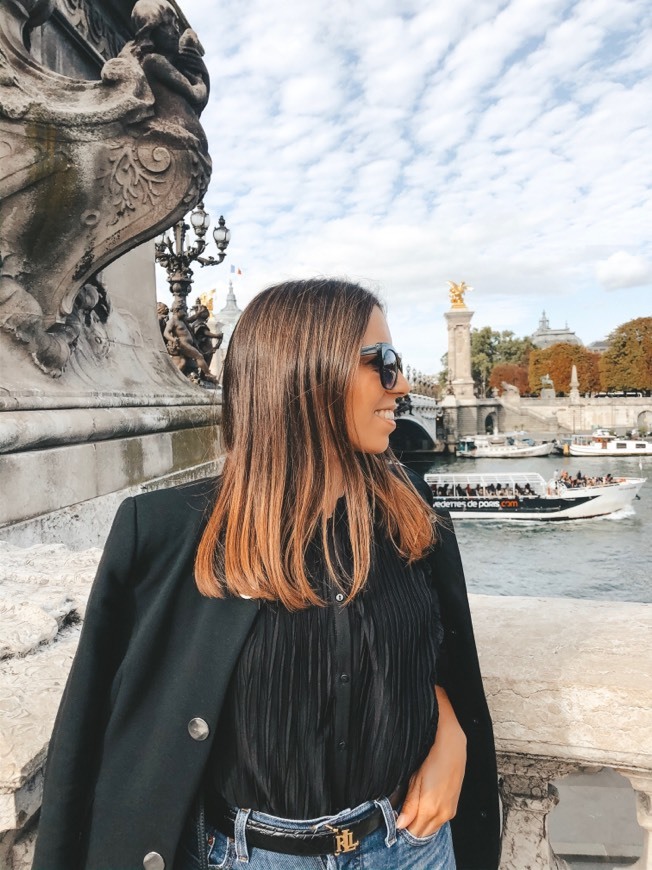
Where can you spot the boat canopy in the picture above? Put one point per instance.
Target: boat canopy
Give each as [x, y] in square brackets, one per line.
[503, 480]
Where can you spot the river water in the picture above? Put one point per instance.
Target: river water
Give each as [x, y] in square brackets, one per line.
[605, 558]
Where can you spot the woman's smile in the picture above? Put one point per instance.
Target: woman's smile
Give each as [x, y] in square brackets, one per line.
[386, 414]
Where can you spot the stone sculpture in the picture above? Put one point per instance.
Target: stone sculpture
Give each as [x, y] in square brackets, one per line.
[181, 344]
[510, 390]
[88, 170]
[162, 312]
[198, 322]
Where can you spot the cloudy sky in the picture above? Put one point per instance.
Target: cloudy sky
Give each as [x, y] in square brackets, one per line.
[403, 143]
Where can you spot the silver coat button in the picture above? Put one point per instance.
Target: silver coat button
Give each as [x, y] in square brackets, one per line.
[153, 861]
[198, 730]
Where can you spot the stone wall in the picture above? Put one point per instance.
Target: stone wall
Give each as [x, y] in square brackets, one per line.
[559, 416]
[90, 403]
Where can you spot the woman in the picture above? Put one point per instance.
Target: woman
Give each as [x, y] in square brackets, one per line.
[261, 655]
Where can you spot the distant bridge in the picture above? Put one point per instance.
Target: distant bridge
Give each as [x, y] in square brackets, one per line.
[419, 427]
[425, 426]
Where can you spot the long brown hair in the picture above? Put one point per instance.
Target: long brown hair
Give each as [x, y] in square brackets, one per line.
[287, 375]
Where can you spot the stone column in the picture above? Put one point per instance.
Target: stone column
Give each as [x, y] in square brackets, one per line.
[574, 394]
[459, 351]
[642, 785]
[527, 796]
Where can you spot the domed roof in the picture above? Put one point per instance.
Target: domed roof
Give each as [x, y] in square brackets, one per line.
[230, 313]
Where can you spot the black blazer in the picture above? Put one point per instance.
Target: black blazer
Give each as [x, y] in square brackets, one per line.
[124, 766]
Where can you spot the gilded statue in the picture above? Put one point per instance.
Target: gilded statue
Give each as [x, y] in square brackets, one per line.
[456, 293]
[206, 299]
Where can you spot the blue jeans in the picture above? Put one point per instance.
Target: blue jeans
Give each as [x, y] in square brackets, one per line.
[383, 849]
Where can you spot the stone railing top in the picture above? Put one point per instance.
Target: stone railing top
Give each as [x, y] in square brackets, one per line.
[43, 594]
[565, 679]
[36, 598]
[420, 401]
[568, 679]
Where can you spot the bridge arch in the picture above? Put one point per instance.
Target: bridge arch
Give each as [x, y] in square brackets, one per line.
[644, 421]
[491, 423]
[410, 437]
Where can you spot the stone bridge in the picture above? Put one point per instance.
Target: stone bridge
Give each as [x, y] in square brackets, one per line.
[419, 427]
[546, 419]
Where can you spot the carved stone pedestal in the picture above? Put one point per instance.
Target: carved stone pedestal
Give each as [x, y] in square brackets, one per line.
[459, 351]
[642, 785]
[527, 796]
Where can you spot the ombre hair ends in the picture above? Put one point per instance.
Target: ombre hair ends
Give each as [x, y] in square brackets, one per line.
[287, 378]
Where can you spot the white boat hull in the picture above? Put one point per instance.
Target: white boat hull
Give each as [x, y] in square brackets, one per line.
[609, 450]
[508, 452]
[551, 501]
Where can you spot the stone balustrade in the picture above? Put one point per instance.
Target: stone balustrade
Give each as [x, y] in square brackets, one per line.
[569, 684]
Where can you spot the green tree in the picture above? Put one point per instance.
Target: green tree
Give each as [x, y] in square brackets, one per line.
[627, 363]
[490, 348]
[557, 361]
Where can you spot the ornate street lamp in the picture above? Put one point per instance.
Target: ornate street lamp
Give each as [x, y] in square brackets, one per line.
[176, 255]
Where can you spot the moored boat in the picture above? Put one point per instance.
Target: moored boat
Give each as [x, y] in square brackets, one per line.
[528, 496]
[501, 447]
[604, 443]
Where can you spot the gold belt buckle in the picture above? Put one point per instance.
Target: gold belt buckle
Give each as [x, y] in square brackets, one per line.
[344, 841]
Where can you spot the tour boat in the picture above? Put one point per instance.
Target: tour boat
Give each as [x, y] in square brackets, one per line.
[528, 496]
[604, 443]
[501, 447]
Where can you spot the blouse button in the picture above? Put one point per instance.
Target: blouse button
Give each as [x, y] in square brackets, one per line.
[341, 744]
[339, 597]
[344, 678]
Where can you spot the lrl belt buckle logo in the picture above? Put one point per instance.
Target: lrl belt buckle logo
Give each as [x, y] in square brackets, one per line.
[344, 841]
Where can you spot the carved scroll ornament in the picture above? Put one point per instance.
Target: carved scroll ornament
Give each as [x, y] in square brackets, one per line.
[89, 170]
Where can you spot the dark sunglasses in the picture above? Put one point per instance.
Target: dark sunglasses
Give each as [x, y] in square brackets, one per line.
[387, 362]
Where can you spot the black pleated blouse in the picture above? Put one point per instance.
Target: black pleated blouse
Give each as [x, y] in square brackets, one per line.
[332, 706]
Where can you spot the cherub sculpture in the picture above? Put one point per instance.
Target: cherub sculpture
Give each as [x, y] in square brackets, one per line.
[198, 322]
[181, 344]
[172, 62]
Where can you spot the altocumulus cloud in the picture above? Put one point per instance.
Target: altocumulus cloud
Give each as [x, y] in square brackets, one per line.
[622, 270]
[405, 142]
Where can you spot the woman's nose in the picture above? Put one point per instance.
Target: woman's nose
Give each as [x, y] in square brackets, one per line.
[401, 387]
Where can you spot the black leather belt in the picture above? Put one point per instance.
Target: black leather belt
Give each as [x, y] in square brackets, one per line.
[327, 840]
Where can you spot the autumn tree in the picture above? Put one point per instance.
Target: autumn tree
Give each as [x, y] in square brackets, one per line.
[557, 361]
[509, 373]
[627, 363]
